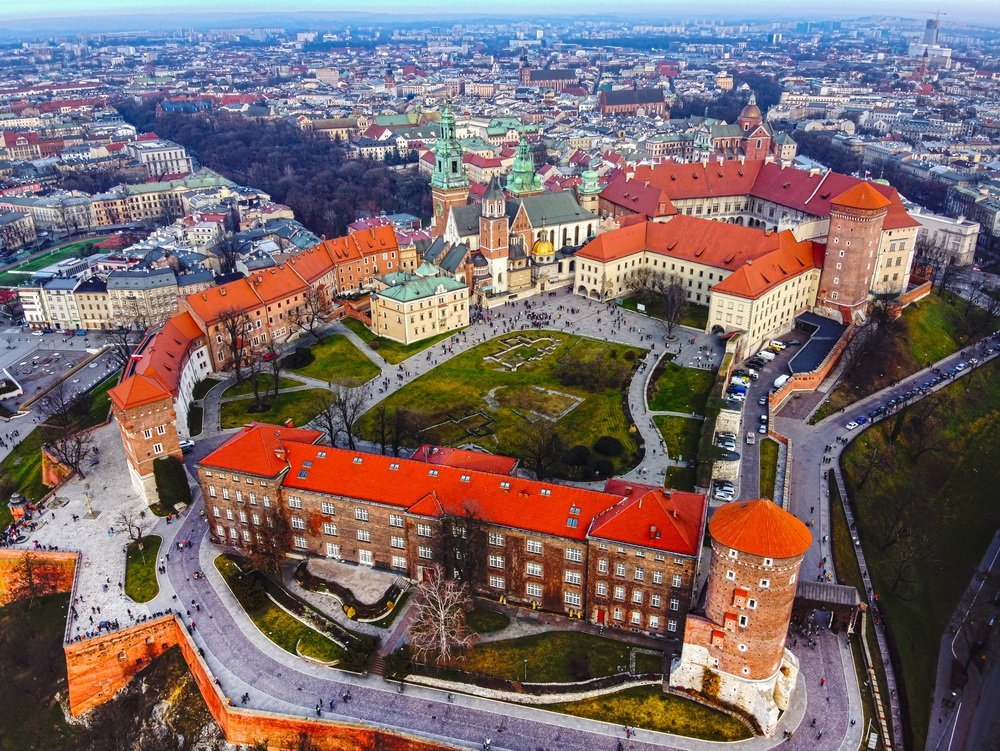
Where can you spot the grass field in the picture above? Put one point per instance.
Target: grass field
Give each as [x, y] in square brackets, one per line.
[554, 657]
[390, 351]
[679, 389]
[932, 329]
[140, 569]
[297, 405]
[22, 271]
[768, 467]
[681, 478]
[265, 380]
[681, 435]
[457, 390]
[484, 621]
[923, 484]
[695, 316]
[277, 625]
[649, 708]
[339, 361]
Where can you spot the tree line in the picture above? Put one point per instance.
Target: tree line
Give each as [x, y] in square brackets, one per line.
[316, 177]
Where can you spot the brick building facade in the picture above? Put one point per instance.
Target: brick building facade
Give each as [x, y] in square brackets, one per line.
[624, 557]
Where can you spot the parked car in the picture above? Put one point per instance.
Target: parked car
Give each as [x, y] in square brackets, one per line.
[762, 428]
[763, 400]
[37, 333]
[851, 425]
[187, 445]
[751, 438]
[777, 344]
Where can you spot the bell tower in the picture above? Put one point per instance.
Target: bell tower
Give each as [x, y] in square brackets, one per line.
[522, 180]
[494, 229]
[449, 185]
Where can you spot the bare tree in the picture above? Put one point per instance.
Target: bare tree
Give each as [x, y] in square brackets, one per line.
[541, 444]
[438, 630]
[271, 542]
[646, 283]
[349, 404]
[327, 416]
[463, 544]
[235, 327]
[674, 304]
[254, 374]
[272, 356]
[313, 311]
[127, 334]
[66, 442]
[134, 523]
[228, 252]
[381, 426]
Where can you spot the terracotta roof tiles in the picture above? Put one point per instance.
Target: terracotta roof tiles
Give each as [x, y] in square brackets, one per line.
[760, 528]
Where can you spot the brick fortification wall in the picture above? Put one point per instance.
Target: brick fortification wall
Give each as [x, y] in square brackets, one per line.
[98, 668]
[51, 572]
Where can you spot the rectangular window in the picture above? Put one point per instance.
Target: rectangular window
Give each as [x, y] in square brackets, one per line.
[398, 561]
[534, 546]
[361, 514]
[397, 542]
[657, 577]
[425, 552]
[533, 569]
[619, 593]
[366, 558]
[424, 530]
[161, 429]
[328, 508]
[395, 520]
[574, 577]
[225, 493]
[496, 561]
[765, 583]
[495, 538]
[676, 580]
[294, 501]
[602, 589]
[619, 569]
[654, 601]
[300, 542]
[147, 433]
[672, 626]
[496, 582]
[297, 522]
[329, 529]
[637, 596]
[675, 604]
[157, 448]
[636, 618]
[654, 622]
[364, 535]
[332, 550]
[640, 574]
[574, 554]
[533, 589]
[211, 491]
[744, 621]
[573, 599]
[602, 566]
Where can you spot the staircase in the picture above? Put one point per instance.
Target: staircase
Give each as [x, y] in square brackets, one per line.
[378, 666]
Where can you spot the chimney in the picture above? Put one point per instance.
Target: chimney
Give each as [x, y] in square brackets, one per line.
[280, 454]
[652, 531]
[289, 423]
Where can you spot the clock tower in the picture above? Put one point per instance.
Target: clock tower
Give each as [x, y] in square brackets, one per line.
[449, 185]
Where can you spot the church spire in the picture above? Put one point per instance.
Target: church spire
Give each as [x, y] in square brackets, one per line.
[522, 179]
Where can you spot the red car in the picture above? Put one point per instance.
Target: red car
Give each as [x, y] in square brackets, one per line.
[268, 356]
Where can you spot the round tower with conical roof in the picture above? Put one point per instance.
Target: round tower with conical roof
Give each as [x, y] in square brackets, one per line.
[735, 652]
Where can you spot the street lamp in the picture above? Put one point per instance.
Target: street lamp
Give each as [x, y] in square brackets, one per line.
[525, 670]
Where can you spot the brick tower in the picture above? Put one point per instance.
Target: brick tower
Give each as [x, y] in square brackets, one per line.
[144, 409]
[449, 185]
[735, 652]
[856, 218]
[494, 234]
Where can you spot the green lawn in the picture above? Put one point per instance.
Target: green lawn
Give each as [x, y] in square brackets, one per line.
[768, 467]
[390, 351]
[266, 381]
[929, 330]
[681, 478]
[202, 388]
[925, 514]
[681, 434]
[297, 405]
[339, 361]
[19, 273]
[99, 403]
[21, 471]
[387, 620]
[140, 569]
[679, 389]
[449, 403]
[695, 316]
[196, 414]
[552, 657]
[277, 625]
[649, 708]
[485, 621]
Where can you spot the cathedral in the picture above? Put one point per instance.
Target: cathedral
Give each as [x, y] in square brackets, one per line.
[519, 237]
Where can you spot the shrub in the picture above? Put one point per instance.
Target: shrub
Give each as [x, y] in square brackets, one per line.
[374, 344]
[578, 456]
[171, 482]
[579, 666]
[249, 591]
[301, 357]
[629, 355]
[604, 467]
[398, 663]
[608, 445]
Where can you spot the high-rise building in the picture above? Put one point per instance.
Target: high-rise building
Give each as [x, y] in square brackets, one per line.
[931, 31]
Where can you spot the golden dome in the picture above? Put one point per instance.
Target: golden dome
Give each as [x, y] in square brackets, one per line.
[542, 248]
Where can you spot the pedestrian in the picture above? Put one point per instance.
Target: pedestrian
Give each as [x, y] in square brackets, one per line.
[822, 681]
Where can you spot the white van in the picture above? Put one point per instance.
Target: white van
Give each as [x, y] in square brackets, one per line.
[766, 356]
[781, 381]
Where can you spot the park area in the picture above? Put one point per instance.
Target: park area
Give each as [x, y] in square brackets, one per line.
[929, 330]
[21, 272]
[391, 351]
[923, 487]
[298, 406]
[695, 316]
[494, 394]
[674, 388]
[335, 359]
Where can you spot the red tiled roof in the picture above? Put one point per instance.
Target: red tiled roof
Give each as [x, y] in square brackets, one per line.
[862, 196]
[760, 528]
[788, 260]
[210, 303]
[464, 459]
[639, 196]
[668, 520]
[257, 449]
[137, 390]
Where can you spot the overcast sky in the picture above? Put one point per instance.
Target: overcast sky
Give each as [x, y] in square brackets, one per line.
[982, 11]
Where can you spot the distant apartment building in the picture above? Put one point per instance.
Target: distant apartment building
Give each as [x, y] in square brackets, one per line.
[161, 157]
[17, 229]
[954, 238]
[648, 102]
[63, 213]
[148, 296]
